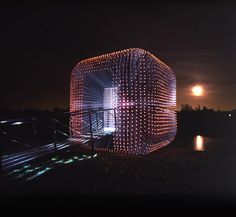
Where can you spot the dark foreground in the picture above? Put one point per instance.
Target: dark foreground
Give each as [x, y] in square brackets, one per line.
[175, 169]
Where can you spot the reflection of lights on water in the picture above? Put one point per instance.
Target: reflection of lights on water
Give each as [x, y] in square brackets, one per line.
[199, 143]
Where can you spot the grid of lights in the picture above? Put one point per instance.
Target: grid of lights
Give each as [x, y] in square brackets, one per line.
[145, 106]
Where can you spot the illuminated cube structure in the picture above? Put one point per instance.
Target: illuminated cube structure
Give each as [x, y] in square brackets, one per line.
[139, 89]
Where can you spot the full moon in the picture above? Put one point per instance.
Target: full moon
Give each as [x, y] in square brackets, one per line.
[197, 90]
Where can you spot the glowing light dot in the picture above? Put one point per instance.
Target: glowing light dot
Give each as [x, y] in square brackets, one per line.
[197, 91]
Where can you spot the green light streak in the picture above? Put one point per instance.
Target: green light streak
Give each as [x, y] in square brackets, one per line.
[26, 166]
[29, 172]
[59, 161]
[68, 161]
[54, 158]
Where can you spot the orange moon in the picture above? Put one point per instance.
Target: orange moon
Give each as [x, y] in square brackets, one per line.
[197, 90]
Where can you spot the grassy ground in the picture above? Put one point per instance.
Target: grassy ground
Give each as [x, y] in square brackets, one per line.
[176, 168]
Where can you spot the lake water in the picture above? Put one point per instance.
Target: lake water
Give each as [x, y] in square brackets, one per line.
[200, 143]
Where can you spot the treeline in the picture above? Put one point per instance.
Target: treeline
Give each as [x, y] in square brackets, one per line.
[205, 121]
[191, 121]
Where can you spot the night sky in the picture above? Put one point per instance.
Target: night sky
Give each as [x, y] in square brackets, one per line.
[40, 45]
